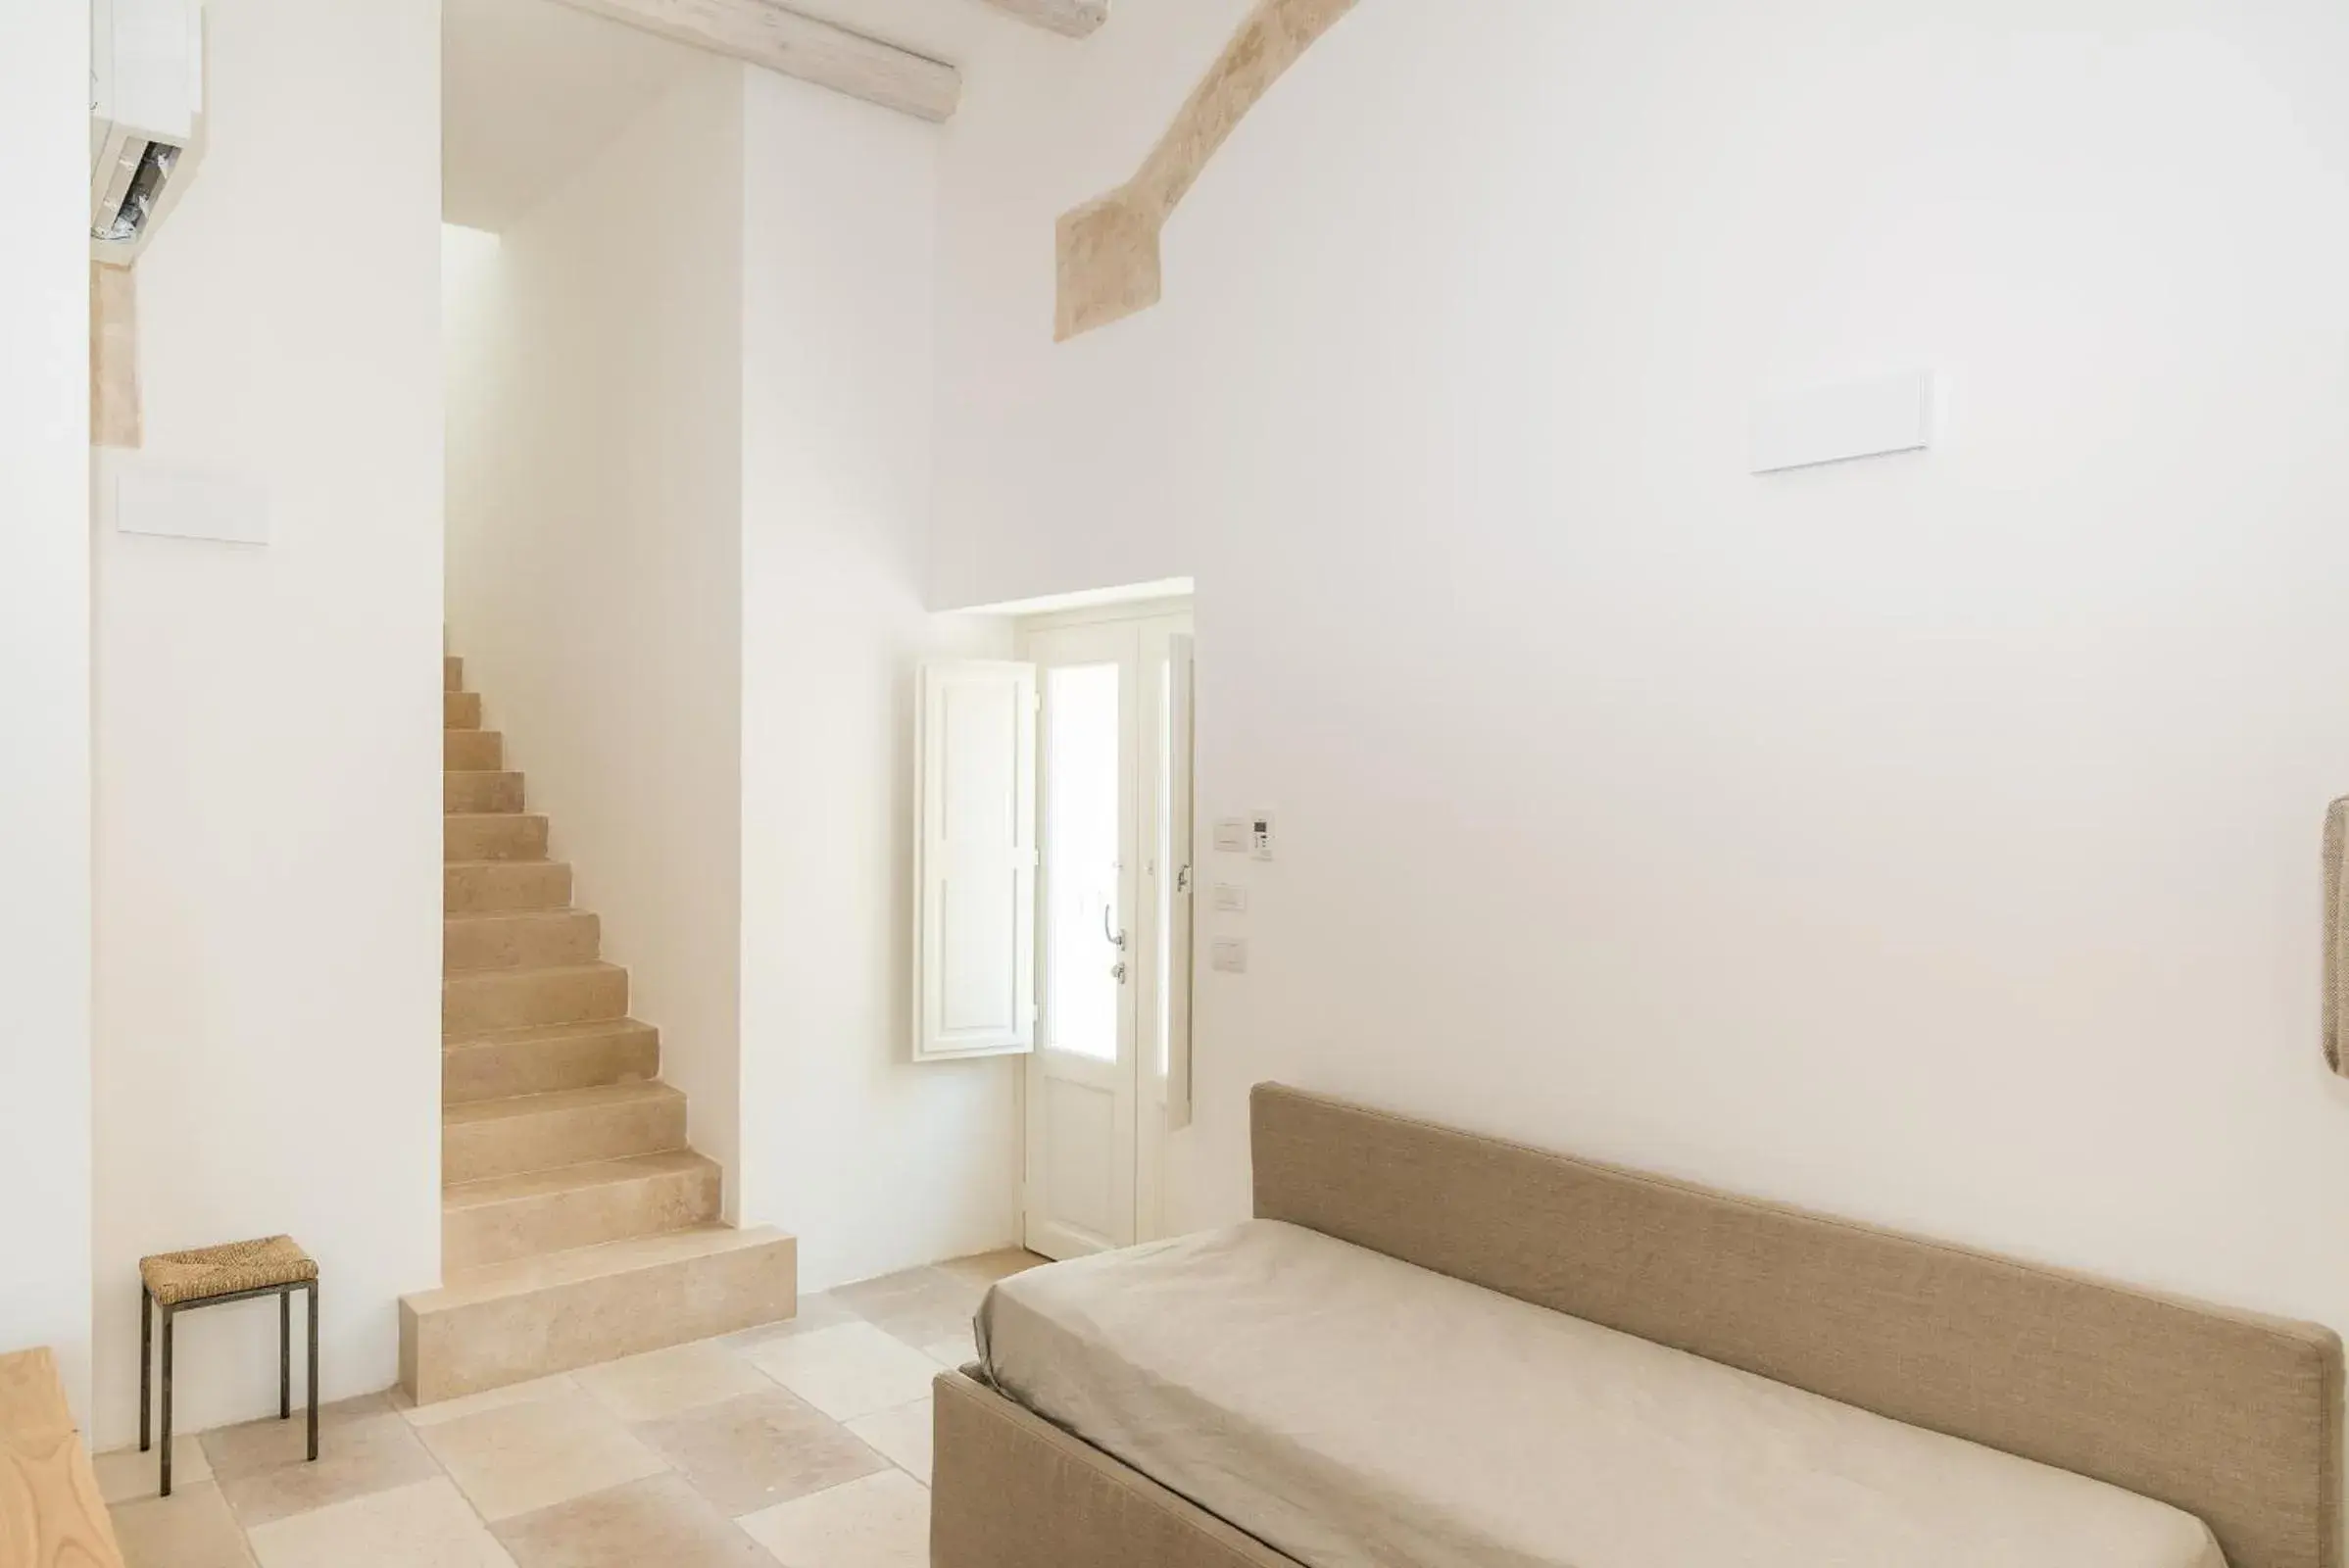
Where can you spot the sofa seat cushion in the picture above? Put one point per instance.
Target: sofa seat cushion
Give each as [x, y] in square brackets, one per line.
[1351, 1410]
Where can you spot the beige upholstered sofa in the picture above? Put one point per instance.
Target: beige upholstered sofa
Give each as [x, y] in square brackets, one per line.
[2232, 1418]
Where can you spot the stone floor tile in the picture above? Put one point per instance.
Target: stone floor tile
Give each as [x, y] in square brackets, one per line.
[126, 1475]
[447, 1410]
[265, 1444]
[359, 1454]
[192, 1527]
[819, 1311]
[655, 1523]
[853, 1370]
[666, 1382]
[523, 1457]
[760, 1449]
[423, 1526]
[988, 1268]
[880, 1522]
[901, 1434]
[919, 1306]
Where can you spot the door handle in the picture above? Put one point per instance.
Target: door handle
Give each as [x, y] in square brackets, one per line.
[1117, 971]
[1115, 939]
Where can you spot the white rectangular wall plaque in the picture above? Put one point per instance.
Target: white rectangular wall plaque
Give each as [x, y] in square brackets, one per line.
[1838, 423]
[184, 504]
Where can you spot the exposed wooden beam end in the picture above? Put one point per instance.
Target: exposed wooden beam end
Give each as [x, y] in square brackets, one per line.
[783, 40]
[1109, 266]
[1074, 19]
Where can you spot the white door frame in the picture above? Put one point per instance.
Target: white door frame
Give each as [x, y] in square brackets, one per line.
[1139, 638]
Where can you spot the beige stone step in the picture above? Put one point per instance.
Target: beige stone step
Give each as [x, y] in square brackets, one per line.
[452, 673]
[472, 750]
[491, 1138]
[461, 710]
[507, 1217]
[521, 939]
[481, 792]
[515, 998]
[506, 1062]
[493, 836]
[485, 887]
[511, 1322]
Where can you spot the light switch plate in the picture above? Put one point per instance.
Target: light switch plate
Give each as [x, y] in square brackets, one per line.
[1230, 957]
[1230, 899]
[1231, 836]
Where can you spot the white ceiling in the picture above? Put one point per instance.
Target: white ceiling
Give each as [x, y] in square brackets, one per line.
[531, 89]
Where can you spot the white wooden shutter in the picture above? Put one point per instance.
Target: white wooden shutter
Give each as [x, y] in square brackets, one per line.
[975, 861]
[1180, 903]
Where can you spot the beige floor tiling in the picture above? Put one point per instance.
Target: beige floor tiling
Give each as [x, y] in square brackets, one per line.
[424, 1526]
[128, 1475]
[988, 1268]
[806, 1443]
[820, 1311]
[875, 1298]
[655, 1523]
[853, 1370]
[919, 1306]
[447, 1410]
[358, 1456]
[902, 1435]
[666, 1382]
[251, 1446]
[192, 1527]
[956, 1353]
[758, 1451]
[880, 1522]
[523, 1457]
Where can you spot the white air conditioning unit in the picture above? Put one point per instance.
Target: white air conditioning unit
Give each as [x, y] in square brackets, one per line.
[146, 115]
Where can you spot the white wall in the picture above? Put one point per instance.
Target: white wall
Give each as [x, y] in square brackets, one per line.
[45, 699]
[595, 556]
[268, 834]
[874, 1163]
[1934, 840]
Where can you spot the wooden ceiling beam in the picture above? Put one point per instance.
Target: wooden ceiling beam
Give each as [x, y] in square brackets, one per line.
[1074, 19]
[797, 46]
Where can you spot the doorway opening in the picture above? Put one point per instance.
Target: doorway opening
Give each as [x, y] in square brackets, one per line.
[1109, 1075]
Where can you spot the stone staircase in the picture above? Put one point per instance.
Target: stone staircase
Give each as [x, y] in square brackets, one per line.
[576, 1225]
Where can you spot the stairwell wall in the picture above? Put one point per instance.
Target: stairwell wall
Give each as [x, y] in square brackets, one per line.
[876, 1164]
[595, 554]
[690, 467]
[267, 731]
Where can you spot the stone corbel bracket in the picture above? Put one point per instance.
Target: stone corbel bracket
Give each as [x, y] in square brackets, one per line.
[1108, 249]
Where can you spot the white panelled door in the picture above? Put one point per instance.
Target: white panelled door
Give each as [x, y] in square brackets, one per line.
[1096, 1108]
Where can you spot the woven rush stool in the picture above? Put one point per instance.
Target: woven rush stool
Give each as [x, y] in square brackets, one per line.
[215, 1276]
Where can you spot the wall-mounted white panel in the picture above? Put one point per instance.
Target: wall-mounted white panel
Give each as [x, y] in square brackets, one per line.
[975, 785]
[1871, 418]
[184, 504]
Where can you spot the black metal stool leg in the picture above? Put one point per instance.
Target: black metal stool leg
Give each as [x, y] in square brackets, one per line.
[314, 1369]
[146, 1367]
[167, 1402]
[285, 1354]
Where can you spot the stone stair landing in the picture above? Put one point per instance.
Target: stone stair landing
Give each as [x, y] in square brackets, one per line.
[576, 1224]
